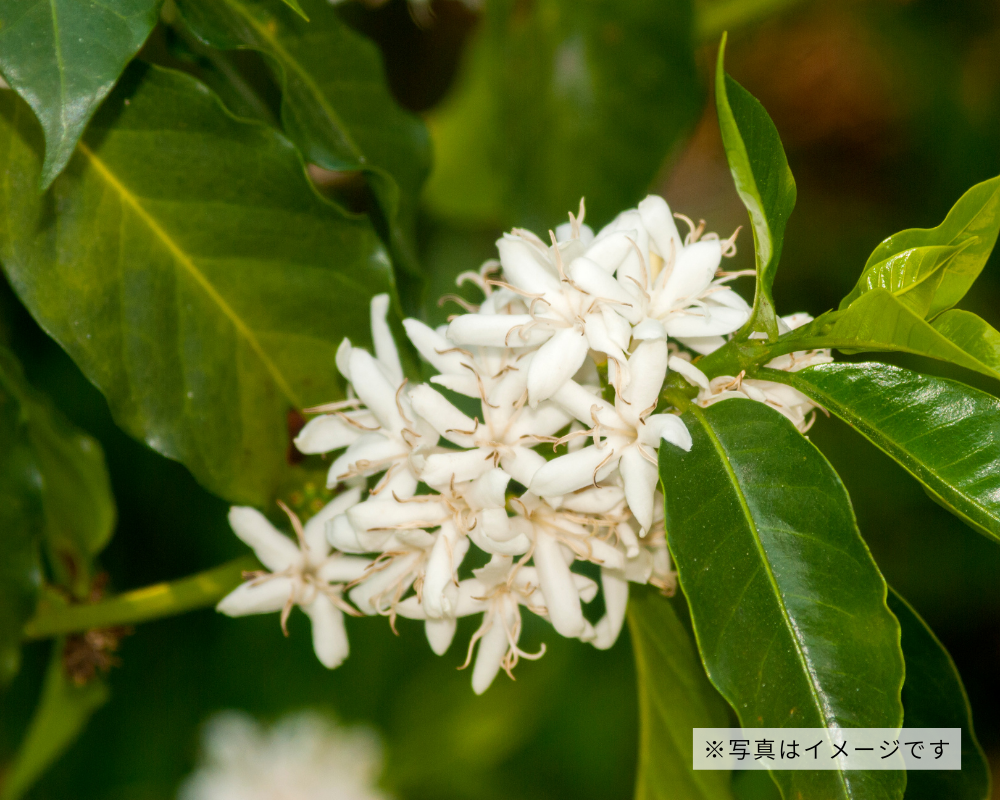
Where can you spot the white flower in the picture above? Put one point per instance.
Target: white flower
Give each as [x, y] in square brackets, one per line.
[307, 575]
[626, 435]
[790, 402]
[377, 426]
[301, 757]
[564, 302]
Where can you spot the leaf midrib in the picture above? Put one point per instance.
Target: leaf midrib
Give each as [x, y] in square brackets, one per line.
[187, 263]
[748, 515]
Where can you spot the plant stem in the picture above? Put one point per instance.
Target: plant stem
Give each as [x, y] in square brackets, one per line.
[140, 605]
[730, 15]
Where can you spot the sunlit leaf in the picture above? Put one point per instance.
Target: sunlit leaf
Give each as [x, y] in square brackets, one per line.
[763, 181]
[674, 697]
[972, 224]
[788, 607]
[933, 697]
[877, 321]
[944, 433]
[336, 105]
[64, 56]
[558, 100]
[62, 712]
[913, 276]
[187, 265]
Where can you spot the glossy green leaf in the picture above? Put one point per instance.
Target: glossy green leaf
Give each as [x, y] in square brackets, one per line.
[788, 607]
[933, 697]
[187, 265]
[878, 321]
[336, 105]
[64, 56]
[78, 504]
[21, 526]
[62, 712]
[972, 224]
[913, 276]
[674, 697]
[558, 100]
[944, 433]
[763, 180]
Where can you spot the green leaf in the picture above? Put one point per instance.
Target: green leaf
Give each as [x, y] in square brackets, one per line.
[878, 321]
[21, 526]
[188, 266]
[972, 224]
[336, 105]
[913, 276]
[64, 56]
[944, 433]
[788, 607]
[558, 100]
[62, 712]
[933, 697]
[78, 504]
[674, 697]
[763, 180]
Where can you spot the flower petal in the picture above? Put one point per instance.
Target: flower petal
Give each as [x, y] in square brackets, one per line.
[370, 454]
[342, 569]
[435, 348]
[672, 429]
[573, 471]
[446, 556]
[580, 402]
[378, 592]
[328, 632]
[693, 271]
[521, 463]
[275, 550]
[493, 647]
[385, 345]
[523, 268]
[597, 282]
[556, 582]
[315, 529]
[341, 535]
[610, 250]
[447, 420]
[257, 597]
[639, 479]
[441, 469]
[554, 363]
[439, 633]
[497, 330]
[703, 345]
[609, 626]
[702, 322]
[488, 491]
[659, 221]
[328, 432]
[375, 390]
[647, 369]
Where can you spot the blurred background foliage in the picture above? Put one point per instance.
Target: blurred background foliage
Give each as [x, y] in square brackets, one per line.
[888, 111]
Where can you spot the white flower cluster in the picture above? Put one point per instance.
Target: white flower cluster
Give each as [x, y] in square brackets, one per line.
[464, 514]
[301, 757]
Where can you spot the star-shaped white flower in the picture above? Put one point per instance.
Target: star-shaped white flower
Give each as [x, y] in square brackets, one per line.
[307, 575]
[626, 435]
